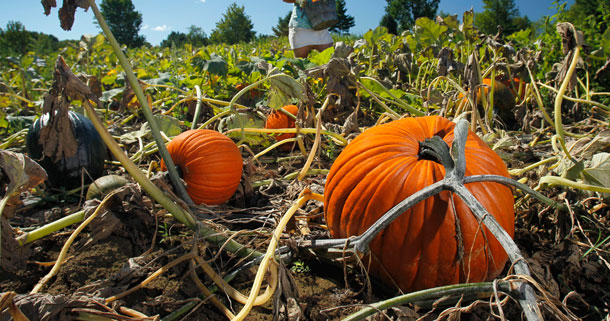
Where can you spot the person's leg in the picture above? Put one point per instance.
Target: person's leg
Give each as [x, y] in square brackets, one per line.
[321, 47]
[302, 52]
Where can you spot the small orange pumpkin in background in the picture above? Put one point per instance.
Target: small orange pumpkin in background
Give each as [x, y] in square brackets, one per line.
[278, 119]
[420, 249]
[504, 100]
[517, 87]
[210, 162]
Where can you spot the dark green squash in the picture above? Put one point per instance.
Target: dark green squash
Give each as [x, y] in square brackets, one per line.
[66, 172]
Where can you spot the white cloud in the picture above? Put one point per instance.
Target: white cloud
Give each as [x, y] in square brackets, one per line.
[202, 1]
[145, 27]
[160, 28]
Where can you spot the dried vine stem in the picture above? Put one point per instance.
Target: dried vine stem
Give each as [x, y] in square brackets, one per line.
[64, 250]
[445, 292]
[455, 167]
[269, 258]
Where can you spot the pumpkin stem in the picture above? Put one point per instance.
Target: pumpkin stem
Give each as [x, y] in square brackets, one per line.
[437, 150]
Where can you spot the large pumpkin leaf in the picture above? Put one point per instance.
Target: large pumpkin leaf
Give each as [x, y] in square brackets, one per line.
[251, 66]
[162, 79]
[216, 65]
[167, 124]
[112, 94]
[323, 57]
[373, 36]
[247, 120]
[379, 90]
[598, 172]
[90, 42]
[283, 89]
[467, 26]
[429, 32]
[452, 21]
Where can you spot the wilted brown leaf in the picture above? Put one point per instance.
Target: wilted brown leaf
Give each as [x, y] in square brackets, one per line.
[66, 12]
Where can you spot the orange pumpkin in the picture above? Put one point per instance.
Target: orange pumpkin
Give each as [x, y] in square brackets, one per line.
[419, 249]
[278, 119]
[210, 162]
[504, 101]
[516, 87]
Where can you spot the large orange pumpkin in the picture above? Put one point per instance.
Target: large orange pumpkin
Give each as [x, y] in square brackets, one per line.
[278, 119]
[210, 162]
[420, 249]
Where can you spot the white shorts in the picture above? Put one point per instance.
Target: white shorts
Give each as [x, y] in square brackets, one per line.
[300, 37]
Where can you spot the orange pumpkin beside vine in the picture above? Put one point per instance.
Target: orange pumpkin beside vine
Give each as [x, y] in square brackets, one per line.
[278, 119]
[210, 162]
[436, 242]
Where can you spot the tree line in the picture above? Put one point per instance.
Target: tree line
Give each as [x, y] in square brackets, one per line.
[235, 26]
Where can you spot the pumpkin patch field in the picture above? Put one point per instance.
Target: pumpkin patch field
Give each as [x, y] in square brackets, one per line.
[438, 174]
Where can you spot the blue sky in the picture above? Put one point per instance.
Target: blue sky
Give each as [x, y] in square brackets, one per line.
[161, 17]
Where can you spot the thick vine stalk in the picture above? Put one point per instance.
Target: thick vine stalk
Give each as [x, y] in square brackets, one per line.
[135, 85]
[559, 100]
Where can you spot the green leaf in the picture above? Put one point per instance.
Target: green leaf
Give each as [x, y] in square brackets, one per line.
[248, 120]
[521, 36]
[251, 66]
[3, 120]
[605, 43]
[569, 169]
[378, 89]
[283, 89]
[467, 26]
[452, 22]
[216, 65]
[323, 57]
[598, 172]
[109, 79]
[428, 31]
[373, 36]
[111, 94]
[169, 125]
[162, 79]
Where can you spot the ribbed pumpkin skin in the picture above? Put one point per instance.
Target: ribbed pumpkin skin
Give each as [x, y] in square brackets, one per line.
[211, 165]
[278, 119]
[419, 249]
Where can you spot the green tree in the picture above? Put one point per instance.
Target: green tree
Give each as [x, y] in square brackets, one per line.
[501, 13]
[405, 12]
[14, 40]
[234, 27]
[281, 29]
[196, 36]
[389, 23]
[345, 21]
[124, 21]
[590, 16]
[174, 39]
